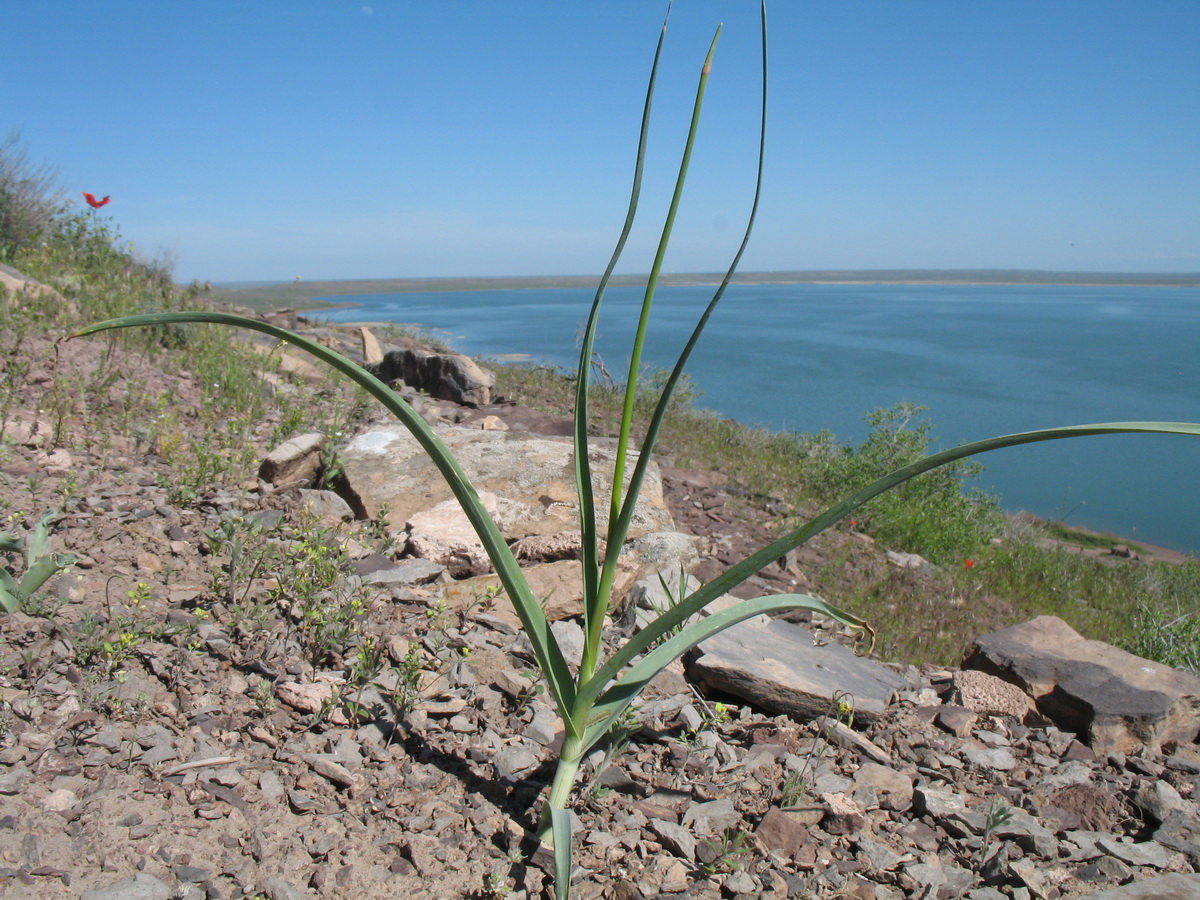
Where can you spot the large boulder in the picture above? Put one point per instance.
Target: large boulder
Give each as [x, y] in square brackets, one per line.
[445, 376]
[1121, 702]
[780, 667]
[531, 477]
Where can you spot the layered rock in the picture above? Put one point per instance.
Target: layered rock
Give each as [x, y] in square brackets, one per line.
[1120, 701]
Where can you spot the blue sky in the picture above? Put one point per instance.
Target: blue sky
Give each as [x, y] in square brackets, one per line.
[269, 140]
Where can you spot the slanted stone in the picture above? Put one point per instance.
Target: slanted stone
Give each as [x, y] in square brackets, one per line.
[326, 506]
[997, 758]
[372, 351]
[712, 817]
[842, 735]
[1165, 887]
[987, 695]
[1157, 799]
[408, 571]
[1180, 831]
[842, 815]
[675, 838]
[296, 460]
[779, 667]
[445, 536]
[1145, 853]
[1120, 701]
[878, 856]
[443, 376]
[783, 832]
[532, 478]
[938, 802]
[894, 789]
[1028, 832]
[958, 720]
[140, 887]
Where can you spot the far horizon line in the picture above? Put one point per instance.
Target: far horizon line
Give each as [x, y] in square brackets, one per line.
[779, 276]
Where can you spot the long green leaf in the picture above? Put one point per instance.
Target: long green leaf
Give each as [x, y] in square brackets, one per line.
[736, 574]
[639, 339]
[10, 599]
[537, 628]
[39, 539]
[664, 401]
[42, 570]
[594, 602]
[614, 539]
[560, 827]
[613, 701]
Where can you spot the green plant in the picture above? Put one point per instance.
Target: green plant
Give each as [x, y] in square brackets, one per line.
[998, 815]
[727, 851]
[793, 789]
[591, 699]
[29, 198]
[40, 565]
[1173, 639]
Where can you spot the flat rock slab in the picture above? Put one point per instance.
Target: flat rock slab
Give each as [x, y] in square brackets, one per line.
[1168, 887]
[532, 477]
[779, 667]
[1120, 701]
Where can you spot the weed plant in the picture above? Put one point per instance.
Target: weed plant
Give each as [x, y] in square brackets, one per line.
[592, 697]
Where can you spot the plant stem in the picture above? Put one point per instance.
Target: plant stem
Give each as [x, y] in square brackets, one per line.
[569, 760]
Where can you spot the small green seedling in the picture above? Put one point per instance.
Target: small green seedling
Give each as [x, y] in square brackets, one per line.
[40, 565]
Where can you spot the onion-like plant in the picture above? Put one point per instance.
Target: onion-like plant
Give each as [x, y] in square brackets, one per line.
[40, 565]
[592, 699]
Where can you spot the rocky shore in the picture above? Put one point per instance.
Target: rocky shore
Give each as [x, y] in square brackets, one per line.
[284, 690]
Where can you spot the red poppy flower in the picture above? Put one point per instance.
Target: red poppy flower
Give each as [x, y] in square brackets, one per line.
[93, 202]
[969, 563]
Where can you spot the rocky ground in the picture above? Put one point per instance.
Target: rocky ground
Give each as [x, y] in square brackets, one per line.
[256, 694]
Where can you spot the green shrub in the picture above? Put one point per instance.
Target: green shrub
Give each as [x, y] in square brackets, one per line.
[29, 199]
[930, 514]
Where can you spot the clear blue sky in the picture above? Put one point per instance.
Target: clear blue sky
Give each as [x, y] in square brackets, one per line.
[331, 139]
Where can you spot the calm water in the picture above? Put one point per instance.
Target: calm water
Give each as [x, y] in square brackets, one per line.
[985, 361]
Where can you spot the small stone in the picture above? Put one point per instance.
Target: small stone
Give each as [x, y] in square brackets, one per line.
[675, 838]
[335, 772]
[998, 759]
[1157, 800]
[740, 882]
[1146, 853]
[192, 874]
[139, 887]
[878, 857]
[842, 815]
[958, 720]
[894, 789]
[938, 803]
[60, 800]
[674, 877]
[713, 817]
[278, 889]
[783, 832]
[514, 760]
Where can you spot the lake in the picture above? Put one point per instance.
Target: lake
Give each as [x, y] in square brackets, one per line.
[985, 360]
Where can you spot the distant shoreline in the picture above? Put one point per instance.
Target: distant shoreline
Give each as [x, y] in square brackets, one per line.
[273, 295]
